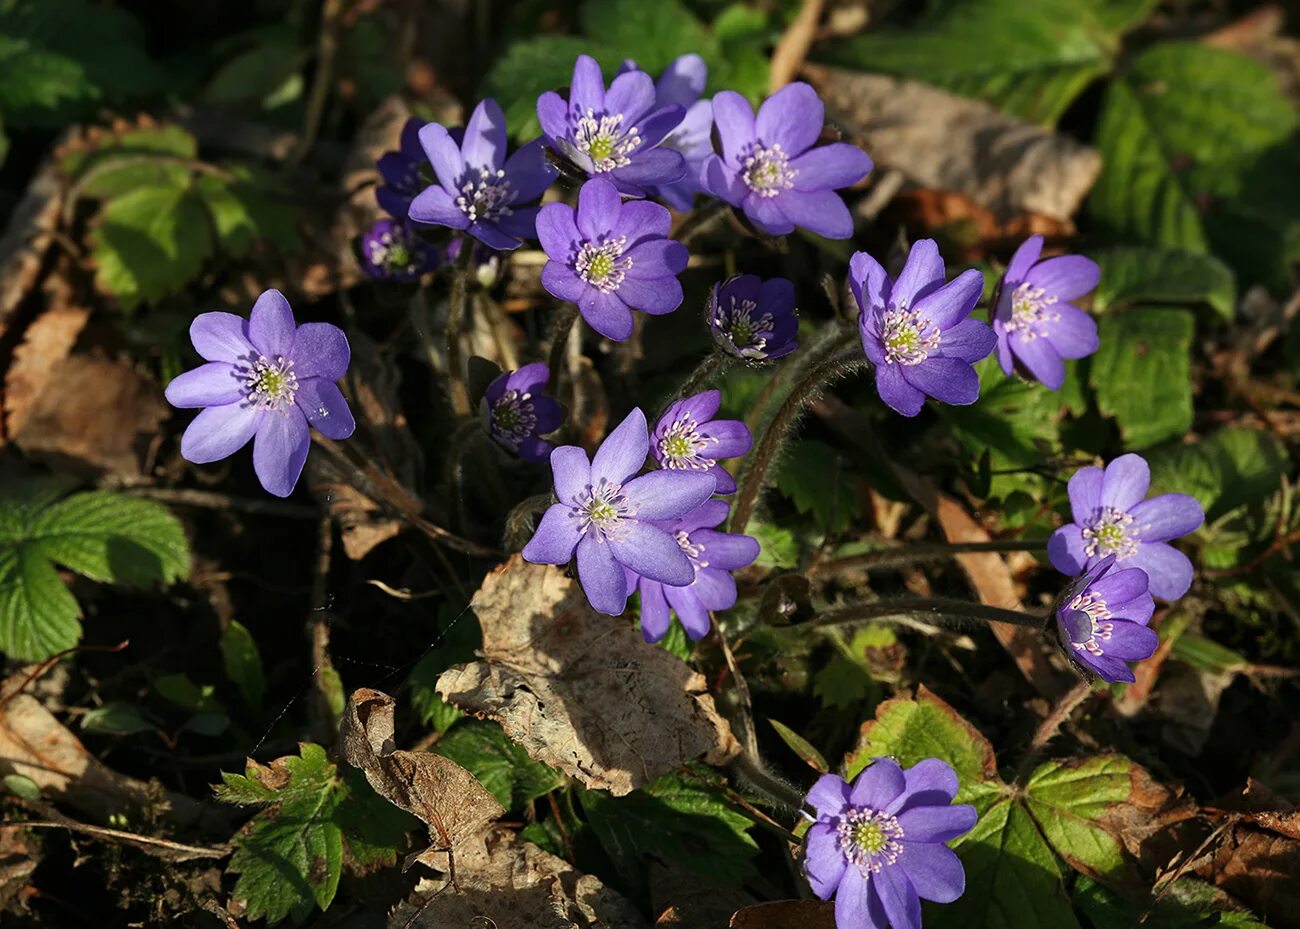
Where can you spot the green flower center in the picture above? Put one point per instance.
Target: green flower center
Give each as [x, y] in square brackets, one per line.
[601, 267]
[1110, 533]
[270, 384]
[903, 339]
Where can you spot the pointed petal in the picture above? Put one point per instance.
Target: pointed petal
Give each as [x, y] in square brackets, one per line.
[624, 450]
[655, 615]
[484, 145]
[444, 154]
[603, 580]
[1065, 550]
[221, 337]
[571, 471]
[280, 450]
[216, 383]
[556, 537]
[734, 119]
[935, 871]
[270, 325]
[792, 118]
[1168, 516]
[218, 432]
[922, 273]
[665, 494]
[1024, 259]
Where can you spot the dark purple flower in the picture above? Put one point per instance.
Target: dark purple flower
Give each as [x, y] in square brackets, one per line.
[682, 84]
[403, 171]
[916, 330]
[393, 251]
[517, 413]
[266, 378]
[611, 257]
[1102, 620]
[754, 319]
[713, 556]
[479, 190]
[1034, 322]
[688, 438]
[769, 168]
[1112, 518]
[608, 517]
[878, 847]
[615, 133]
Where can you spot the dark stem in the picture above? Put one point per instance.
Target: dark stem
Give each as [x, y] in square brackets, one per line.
[457, 389]
[924, 551]
[327, 48]
[941, 610]
[765, 453]
[706, 372]
[700, 220]
[561, 325]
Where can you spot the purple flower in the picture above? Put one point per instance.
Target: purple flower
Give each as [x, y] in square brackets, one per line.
[479, 190]
[615, 133]
[609, 517]
[393, 251]
[403, 171]
[754, 319]
[681, 85]
[516, 411]
[878, 847]
[688, 438]
[1112, 518]
[610, 257]
[1102, 620]
[769, 168]
[713, 556]
[266, 378]
[916, 332]
[1034, 322]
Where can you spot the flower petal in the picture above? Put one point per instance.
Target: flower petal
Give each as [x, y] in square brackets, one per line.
[280, 450]
[320, 350]
[949, 380]
[734, 119]
[945, 306]
[819, 211]
[560, 281]
[270, 325]
[716, 589]
[971, 340]
[1026, 257]
[723, 181]
[829, 796]
[557, 230]
[529, 172]
[922, 273]
[878, 784]
[1167, 516]
[1065, 549]
[632, 94]
[1085, 493]
[792, 118]
[651, 552]
[1125, 482]
[598, 208]
[830, 167]
[656, 166]
[606, 313]
[323, 404]
[727, 550]
[898, 394]
[1041, 358]
[692, 611]
[868, 281]
[484, 145]
[937, 823]
[902, 906]
[1121, 586]
[1075, 333]
[642, 220]
[1131, 641]
[571, 472]
[623, 452]
[823, 861]
[766, 215]
[603, 580]
[733, 438]
[663, 494]
[1168, 569]
[1066, 277]
[656, 297]
[855, 906]
[553, 115]
[218, 432]
[935, 871]
[221, 337]
[931, 781]
[444, 154]
[216, 383]
[433, 206]
[587, 88]
[556, 537]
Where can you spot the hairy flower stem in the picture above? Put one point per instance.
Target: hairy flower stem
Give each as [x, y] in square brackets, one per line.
[706, 372]
[939, 610]
[792, 369]
[566, 314]
[909, 553]
[806, 392]
[457, 388]
[700, 220]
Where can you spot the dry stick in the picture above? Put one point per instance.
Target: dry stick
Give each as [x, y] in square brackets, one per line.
[318, 630]
[923, 551]
[939, 609]
[50, 662]
[219, 501]
[457, 389]
[130, 838]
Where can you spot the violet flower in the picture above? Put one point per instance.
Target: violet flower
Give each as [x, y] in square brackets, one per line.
[608, 517]
[1035, 323]
[1112, 518]
[682, 84]
[917, 331]
[1102, 619]
[517, 413]
[266, 379]
[403, 171]
[610, 257]
[688, 438]
[878, 847]
[713, 556]
[393, 251]
[754, 319]
[479, 190]
[615, 133]
[769, 168]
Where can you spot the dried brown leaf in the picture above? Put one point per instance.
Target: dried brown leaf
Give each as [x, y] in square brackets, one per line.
[786, 914]
[36, 362]
[447, 798]
[20, 853]
[580, 691]
[27, 238]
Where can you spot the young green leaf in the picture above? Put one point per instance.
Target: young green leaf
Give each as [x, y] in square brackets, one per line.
[812, 475]
[1135, 274]
[243, 664]
[116, 718]
[502, 766]
[1142, 373]
[1068, 798]
[150, 242]
[806, 751]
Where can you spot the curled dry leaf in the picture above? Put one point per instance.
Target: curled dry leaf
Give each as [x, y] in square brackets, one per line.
[581, 691]
[37, 361]
[447, 798]
[786, 914]
[508, 883]
[939, 140]
[26, 239]
[1257, 858]
[20, 853]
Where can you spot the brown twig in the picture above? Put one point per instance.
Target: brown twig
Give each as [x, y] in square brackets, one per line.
[904, 553]
[792, 48]
[42, 668]
[324, 678]
[181, 851]
[218, 501]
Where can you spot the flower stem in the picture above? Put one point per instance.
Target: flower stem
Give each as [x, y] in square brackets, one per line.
[457, 388]
[924, 551]
[838, 364]
[561, 325]
[706, 372]
[937, 609]
[699, 220]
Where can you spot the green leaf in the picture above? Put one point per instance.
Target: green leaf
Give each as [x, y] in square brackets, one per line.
[1143, 274]
[1013, 880]
[245, 210]
[117, 718]
[806, 751]
[270, 56]
[105, 536]
[1142, 373]
[1198, 153]
[1067, 798]
[180, 690]
[1030, 59]
[432, 709]
[501, 765]
[375, 831]
[811, 474]
[151, 242]
[136, 158]
[243, 664]
[22, 787]
[658, 32]
[1188, 904]
[1232, 467]
[528, 69]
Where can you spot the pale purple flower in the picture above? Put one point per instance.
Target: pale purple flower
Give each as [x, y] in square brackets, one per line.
[770, 169]
[1102, 619]
[517, 413]
[403, 171]
[878, 847]
[610, 257]
[917, 331]
[266, 379]
[616, 133]
[754, 319]
[1035, 323]
[479, 190]
[1111, 517]
[608, 517]
[682, 84]
[713, 556]
[688, 438]
[393, 251]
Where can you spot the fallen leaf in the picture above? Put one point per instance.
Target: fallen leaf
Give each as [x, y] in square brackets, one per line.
[581, 691]
[683, 898]
[939, 140]
[1154, 823]
[786, 914]
[509, 883]
[37, 361]
[1257, 860]
[26, 239]
[20, 853]
[447, 798]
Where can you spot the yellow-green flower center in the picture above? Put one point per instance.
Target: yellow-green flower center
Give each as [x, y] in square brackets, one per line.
[905, 339]
[270, 383]
[601, 267]
[1110, 532]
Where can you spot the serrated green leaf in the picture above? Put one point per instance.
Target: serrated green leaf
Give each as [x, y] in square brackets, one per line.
[1029, 59]
[525, 71]
[105, 536]
[1068, 798]
[243, 663]
[116, 718]
[374, 829]
[806, 751]
[778, 547]
[1232, 467]
[812, 475]
[1198, 153]
[501, 765]
[150, 242]
[137, 158]
[1142, 373]
[1142, 274]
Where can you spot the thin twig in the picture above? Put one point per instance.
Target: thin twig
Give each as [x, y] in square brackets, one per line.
[326, 48]
[923, 551]
[218, 501]
[50, 662]
[318, 630]
[457, 302]
[130, 838]
[938, 609]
